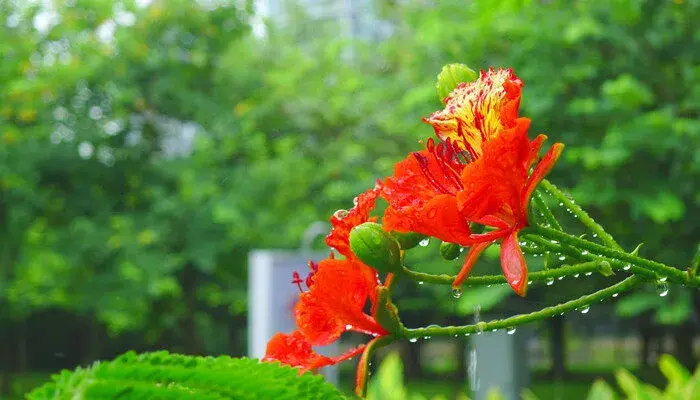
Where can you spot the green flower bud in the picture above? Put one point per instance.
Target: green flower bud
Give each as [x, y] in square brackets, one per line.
[375, 247]
[451, 76]
[407, 240]
[449, 251]
[605, 269]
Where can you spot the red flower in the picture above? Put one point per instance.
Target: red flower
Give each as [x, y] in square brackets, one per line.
[335, 301]
[478, 174]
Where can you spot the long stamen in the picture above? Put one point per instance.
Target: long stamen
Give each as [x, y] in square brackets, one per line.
[423, 163]
[296, 279]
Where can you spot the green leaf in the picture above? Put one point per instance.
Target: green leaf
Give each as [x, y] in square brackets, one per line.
[173, 376]
[601, 391]
[636, 303]
[388, 383]
[484, 297]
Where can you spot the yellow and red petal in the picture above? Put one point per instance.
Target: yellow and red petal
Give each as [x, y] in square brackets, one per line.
[336, 301]
[294, 350]
[343, 221]
[513, 264]
[476, 112]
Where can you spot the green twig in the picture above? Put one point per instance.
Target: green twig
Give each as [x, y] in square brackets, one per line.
[581, 214]
[443, 279]
[511, 322]
[542, 206]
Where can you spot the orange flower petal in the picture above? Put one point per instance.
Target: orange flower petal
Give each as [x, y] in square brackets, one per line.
[541, 170]
[513, 264]
[473, 255]
[343, 221]
[294, 350]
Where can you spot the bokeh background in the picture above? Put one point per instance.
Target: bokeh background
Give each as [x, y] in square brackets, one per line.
[148, 146]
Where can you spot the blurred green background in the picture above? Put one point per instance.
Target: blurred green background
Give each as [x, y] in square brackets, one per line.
[147, 146]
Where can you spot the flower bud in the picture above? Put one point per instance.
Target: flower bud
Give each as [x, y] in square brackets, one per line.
[451, 76]
[605, 269]
[407, 240]
[375, 247]
[449, 251]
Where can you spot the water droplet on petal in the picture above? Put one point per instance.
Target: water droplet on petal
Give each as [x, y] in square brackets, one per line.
[348, 327]
[456, 293]
[340, 214]
[585, 310]
[424, 242]
[510, 330]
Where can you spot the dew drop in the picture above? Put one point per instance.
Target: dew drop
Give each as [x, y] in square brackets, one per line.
[550, 281]
[595, 235]
[420, 282]
[348, 327]
[561, 204]
[461, 249]
[585, 310]
[562, 258]
[662, 289]
[583, 253]
[589, 273]
[457, 293]
[413, 340]
[560, 278]
[488, 286]
[424, 242]
[615, 294]
[529, 282]
[663, 279]
[577, 275]
[627, 267]
[554, 241]
[426, 337]
[561, 314]
[510, 330]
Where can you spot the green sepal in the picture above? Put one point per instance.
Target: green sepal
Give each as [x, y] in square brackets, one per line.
[451, 76]
[449, 251]
[375, 247]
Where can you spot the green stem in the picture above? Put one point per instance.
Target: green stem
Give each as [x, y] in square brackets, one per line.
[545, 210]
[581, 214]
[363, 365]
[522, 319]
[443, 279]
[613, 256]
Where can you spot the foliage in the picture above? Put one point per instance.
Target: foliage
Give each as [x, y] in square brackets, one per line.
[171, 376]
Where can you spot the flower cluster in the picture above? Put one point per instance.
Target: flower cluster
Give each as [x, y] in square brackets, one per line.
[481, 170]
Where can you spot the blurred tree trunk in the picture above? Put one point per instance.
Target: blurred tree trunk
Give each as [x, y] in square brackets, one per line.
[412, 366]
[557, 347]
[6, 357]
[683, 349]
[95, 339]
[188, 281]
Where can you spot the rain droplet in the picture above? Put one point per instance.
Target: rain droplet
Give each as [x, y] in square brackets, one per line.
[554, 241]
[529, 282]
[627, 267]
[562, 258]
[583, 253]
[510, 330]
[577, 275]
[589, 273]
[615, 294]
[426, 337]
[561, 204]
[494, 330]
[424, 242]
[348, 327]
[662, 289]
[560, 278]
[663, 279]
[420, 282]
[585, 310]
[488, 286]
[456, 293]
[355, 201]
[340, 214]
[550, 281]
[461, 249]
[413, 340]
[595, 235]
